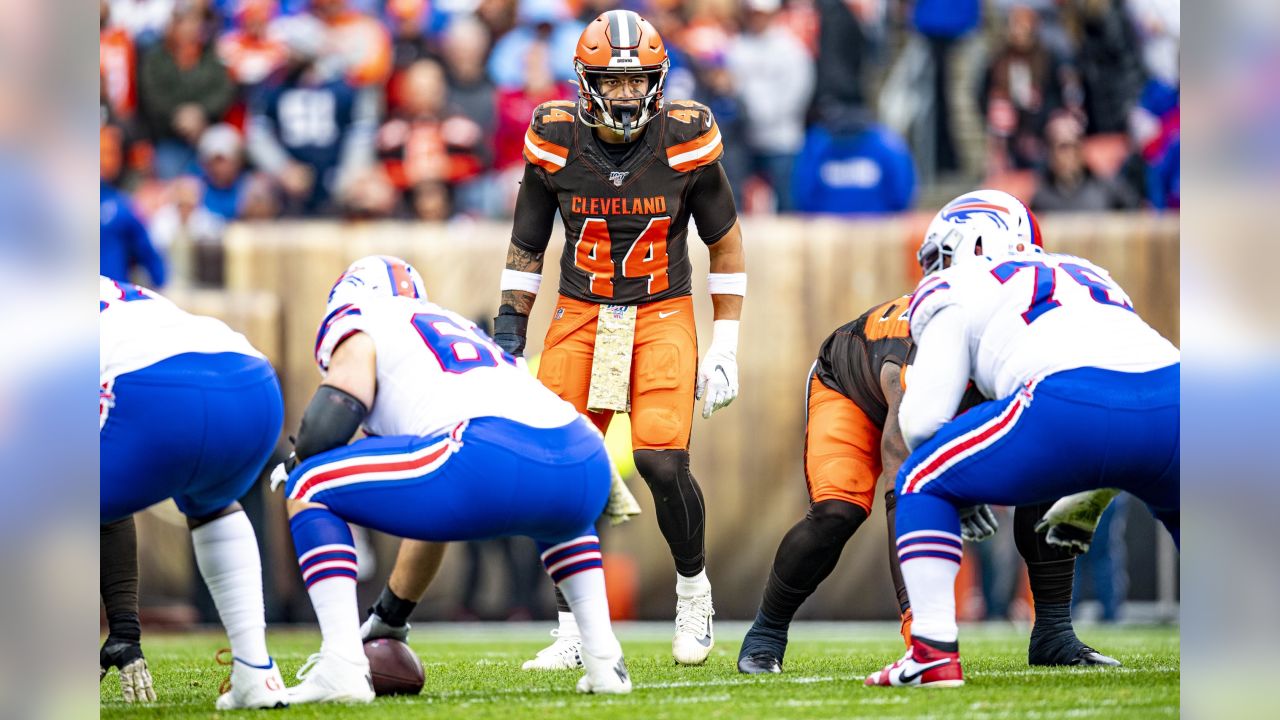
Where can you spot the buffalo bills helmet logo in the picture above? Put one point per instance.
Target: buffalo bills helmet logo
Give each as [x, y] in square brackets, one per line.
[962, 209]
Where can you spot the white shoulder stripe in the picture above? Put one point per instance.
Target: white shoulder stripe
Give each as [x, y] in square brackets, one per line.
[542, 154]
[698, 153]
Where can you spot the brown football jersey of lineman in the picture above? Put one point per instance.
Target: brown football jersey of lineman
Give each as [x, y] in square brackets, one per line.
[851, 357]
[626, 222]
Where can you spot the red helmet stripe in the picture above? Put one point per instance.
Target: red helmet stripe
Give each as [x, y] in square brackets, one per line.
[1036, 238]
[401, 281]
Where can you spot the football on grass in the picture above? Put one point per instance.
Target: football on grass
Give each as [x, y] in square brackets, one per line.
[394, 668]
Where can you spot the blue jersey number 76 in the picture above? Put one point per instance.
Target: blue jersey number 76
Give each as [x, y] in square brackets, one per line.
[1046, 281]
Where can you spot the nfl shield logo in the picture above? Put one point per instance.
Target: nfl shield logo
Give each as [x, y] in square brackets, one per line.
[559, 313]
[617, 178]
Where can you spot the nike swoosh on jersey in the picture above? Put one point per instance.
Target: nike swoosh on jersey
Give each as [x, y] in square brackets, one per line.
[921, 669]
[665, 315]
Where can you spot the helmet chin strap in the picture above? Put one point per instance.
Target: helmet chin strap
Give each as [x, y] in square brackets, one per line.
[626, 124]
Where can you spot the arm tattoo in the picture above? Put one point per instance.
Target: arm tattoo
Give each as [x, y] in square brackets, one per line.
[522, 261]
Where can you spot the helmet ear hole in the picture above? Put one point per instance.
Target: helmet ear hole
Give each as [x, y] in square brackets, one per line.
[977, 247]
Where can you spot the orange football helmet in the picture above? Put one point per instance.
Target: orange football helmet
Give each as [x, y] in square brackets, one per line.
[619, 41]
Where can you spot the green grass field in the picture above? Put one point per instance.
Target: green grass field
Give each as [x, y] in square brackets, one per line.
[474, 672]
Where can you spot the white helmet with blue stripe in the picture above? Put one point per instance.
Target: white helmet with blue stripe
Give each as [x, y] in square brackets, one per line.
[987, 223]
[380, 276]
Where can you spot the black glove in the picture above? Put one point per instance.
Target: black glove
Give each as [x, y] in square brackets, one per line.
[116, 653]
[510, 329]
[135, 676]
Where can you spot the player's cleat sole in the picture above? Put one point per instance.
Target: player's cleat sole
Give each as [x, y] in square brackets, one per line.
[695, 635]
[327, 678]
[922, 666]
[760, 663]
[563, 654]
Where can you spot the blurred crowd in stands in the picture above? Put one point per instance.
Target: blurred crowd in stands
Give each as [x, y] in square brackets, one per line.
[214, 111]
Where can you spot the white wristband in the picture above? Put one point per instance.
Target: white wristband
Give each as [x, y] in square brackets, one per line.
[724, 334]
[727, 283]
[516, 280]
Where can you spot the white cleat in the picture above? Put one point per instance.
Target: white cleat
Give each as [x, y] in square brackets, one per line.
[329, 678]
[254, 688]
[563, 654]
[605, 676]
[694, 635]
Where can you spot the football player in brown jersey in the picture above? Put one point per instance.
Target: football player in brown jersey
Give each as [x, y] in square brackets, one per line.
[852, 440]
[626, 169]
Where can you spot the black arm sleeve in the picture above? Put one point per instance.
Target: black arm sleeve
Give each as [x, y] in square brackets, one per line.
[118, 581]
[711, 201]
[536, 206]
[330, 420]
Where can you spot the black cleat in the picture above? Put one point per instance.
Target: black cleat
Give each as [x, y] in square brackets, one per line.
[1089, 656]
[759, 663]
[762, 650]
[1066, 650]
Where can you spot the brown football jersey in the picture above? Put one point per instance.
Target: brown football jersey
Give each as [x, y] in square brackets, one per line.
[626, 218]
[851, 357]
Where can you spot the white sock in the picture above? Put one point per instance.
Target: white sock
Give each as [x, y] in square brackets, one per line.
[227, 555]
[568, 625]
[334, 600]
[687, 587]
[586, 595]
[931, 584]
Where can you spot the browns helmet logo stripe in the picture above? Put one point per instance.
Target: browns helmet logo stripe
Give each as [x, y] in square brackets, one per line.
[624, 33]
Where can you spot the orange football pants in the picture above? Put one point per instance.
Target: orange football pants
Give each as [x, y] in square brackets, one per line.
[664, 367]
[841, 448]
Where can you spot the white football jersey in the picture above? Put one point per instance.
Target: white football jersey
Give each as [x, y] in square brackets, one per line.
[436, 369]
[138, 328]
[1031, 315]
